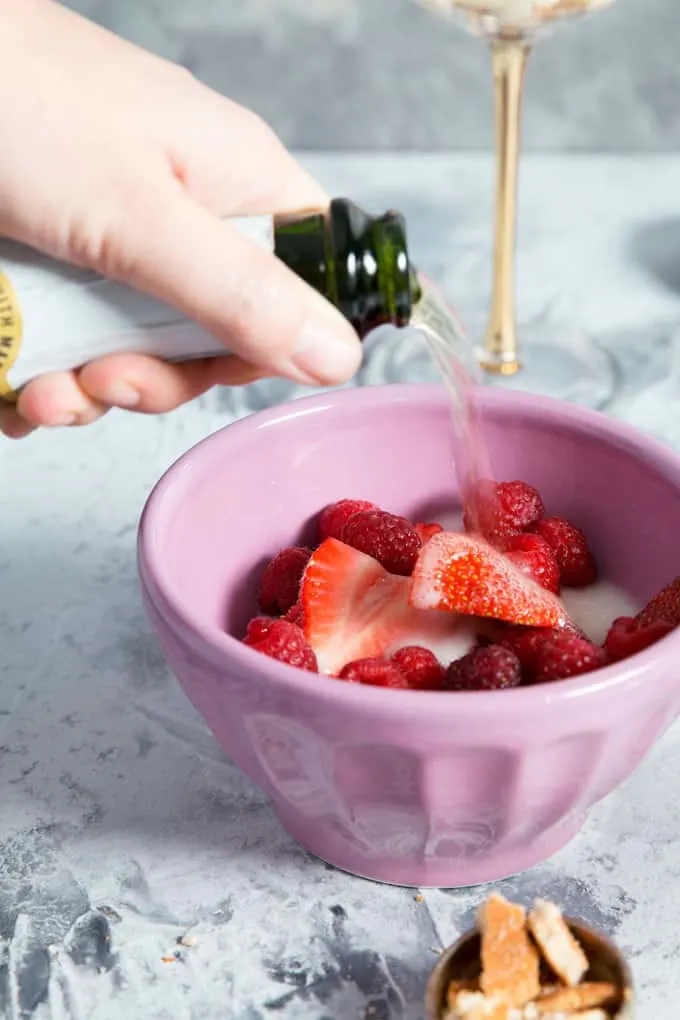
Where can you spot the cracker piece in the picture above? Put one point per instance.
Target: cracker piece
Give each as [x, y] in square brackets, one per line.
[510, 963]
[477, 1006]
[456, 987]
[590, 995]
[557, 944]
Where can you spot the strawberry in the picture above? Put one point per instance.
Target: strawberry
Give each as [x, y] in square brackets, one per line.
[353, 608]
[461, 573]
[427, 531]
[664, 606]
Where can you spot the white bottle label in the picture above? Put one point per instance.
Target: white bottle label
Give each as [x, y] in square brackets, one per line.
[55, 317]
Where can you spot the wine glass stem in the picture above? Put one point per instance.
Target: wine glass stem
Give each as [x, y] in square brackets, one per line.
[509, 57]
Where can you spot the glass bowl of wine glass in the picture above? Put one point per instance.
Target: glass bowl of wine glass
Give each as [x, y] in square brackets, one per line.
[551, 354]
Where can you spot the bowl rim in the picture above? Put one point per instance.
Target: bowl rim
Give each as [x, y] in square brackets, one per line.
[219, 645]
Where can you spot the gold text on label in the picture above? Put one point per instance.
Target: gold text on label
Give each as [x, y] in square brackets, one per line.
[10, 334]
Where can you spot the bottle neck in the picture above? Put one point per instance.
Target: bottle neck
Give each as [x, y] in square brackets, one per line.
[360, 263]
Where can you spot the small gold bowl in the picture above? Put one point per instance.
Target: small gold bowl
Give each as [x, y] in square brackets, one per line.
[462, 962]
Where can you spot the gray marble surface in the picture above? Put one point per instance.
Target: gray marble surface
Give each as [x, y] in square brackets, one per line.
[123, 827]
[385, 74]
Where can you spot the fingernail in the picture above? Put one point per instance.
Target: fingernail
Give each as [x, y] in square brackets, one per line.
[323, 355]
[121, 394]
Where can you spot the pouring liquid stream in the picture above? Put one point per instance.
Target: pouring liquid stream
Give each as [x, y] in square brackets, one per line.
[459, 368]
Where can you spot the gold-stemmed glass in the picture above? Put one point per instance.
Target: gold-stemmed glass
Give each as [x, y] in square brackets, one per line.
[546, 355]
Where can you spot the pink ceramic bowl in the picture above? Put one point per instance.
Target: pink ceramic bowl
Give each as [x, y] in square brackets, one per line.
[415, 788]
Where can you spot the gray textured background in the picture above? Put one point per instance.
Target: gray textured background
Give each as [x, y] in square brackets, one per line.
[366, 74]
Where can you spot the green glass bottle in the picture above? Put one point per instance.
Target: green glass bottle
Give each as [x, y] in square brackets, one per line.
[360, 263]
[56, 317]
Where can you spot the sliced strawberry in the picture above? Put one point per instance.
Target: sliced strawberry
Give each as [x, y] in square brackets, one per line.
[460, 573]
[353, 609]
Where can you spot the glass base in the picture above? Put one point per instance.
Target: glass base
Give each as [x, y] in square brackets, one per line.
[563, 362]
[558, 361]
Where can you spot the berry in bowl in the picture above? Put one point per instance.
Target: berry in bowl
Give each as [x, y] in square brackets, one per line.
[423, 705]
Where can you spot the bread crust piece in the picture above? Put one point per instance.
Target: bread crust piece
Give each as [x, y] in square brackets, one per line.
[590, 995]
[510, 962]
[456, 987]
[557, 944]
[477, 1006]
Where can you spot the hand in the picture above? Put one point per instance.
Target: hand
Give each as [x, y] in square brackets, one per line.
[118, 161]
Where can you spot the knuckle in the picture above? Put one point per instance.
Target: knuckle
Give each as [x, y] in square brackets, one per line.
[258, 131]
[182, 77]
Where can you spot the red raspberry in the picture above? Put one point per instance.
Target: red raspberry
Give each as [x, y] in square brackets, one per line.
[627, 636]
[570, 547]
[280, 581]
[258, 629]
[280, 640]
[492, 668]
[374, 672]
[664, 606]
[534, 557]
[525, 642]
[296, 615]
[391, 540]
[564, 654]
[421, 668]
[504, 509]
[427, 531]
[334, 518]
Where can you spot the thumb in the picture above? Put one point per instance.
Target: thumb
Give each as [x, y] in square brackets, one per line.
[178, 251]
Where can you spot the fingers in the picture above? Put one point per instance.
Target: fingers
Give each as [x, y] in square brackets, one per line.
[130, 381]
[56, 398]
[176, 250]
[12, 424]
[137, 382]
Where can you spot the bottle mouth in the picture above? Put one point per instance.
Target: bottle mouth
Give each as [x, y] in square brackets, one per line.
[404, 290]
[376, 284]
